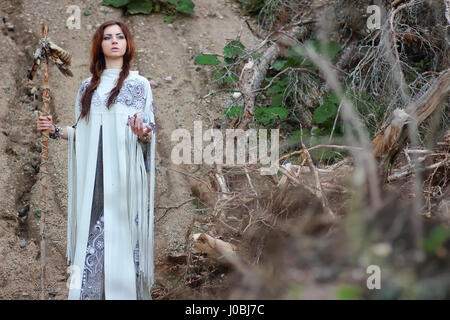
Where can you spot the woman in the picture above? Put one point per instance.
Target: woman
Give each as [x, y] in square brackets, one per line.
[110, 223]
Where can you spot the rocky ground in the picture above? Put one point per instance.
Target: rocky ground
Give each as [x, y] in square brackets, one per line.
[163, 50]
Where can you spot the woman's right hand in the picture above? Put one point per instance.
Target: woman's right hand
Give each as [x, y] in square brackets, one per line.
[45, 123]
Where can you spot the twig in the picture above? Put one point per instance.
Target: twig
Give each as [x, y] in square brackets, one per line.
[393, 36]
[298, 152]
[172, 207]
[290, 69]
[319, 193]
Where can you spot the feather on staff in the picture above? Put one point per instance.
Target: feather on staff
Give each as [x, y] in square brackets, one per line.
[59, 56]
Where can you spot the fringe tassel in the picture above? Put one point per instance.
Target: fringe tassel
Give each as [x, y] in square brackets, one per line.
[138, 167]
[72, 200]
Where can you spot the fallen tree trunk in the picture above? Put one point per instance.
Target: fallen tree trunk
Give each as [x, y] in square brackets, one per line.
[216, 249]
[394, 133]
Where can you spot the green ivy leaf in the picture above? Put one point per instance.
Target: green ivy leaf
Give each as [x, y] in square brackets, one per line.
[207, 59]
[185, 6]
[333, 98]
[283, 113]
[37, 212]
[233, 49]
[279, 64]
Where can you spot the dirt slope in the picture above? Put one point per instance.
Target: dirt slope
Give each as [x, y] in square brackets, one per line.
[163, 50]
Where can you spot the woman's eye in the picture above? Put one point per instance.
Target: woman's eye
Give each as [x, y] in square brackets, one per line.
[121, 37]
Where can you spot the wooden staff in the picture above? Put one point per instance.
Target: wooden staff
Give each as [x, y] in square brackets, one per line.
[46, 50]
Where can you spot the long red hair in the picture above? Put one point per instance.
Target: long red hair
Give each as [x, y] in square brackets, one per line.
[98, 65]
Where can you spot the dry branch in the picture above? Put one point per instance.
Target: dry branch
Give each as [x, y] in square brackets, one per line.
[216, 249]
[393, 134]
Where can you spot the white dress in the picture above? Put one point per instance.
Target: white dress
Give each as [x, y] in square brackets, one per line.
[113, 251]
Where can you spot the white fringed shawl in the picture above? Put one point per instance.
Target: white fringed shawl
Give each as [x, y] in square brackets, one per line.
[129, 183]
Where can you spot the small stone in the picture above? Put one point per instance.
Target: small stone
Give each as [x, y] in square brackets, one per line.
[168, 79]
[24, 211]
[53, 293]
[236, 95]
[10, 27]
[23, 244]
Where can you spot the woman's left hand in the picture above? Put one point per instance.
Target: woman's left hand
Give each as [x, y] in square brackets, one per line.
[137, 126]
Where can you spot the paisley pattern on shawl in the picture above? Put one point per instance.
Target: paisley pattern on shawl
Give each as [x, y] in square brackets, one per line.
[132, 95]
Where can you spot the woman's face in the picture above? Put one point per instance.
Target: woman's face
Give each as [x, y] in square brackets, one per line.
[114, 44]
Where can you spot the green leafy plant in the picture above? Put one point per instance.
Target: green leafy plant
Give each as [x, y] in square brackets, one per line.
[168, 19]
[326, 113]
[207, 59]
[234, 111]
[37, 212]
[348, 292]
[265, 115]
[232, 51]
[87, 12]
[184, 6]
[147, 6]
[297, 57]
[436, 239]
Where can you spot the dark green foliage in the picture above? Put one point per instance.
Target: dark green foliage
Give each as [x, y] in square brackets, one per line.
[207, 59]
[147, 6]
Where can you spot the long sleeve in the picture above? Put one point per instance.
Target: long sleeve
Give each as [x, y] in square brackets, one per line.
[146, 234]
